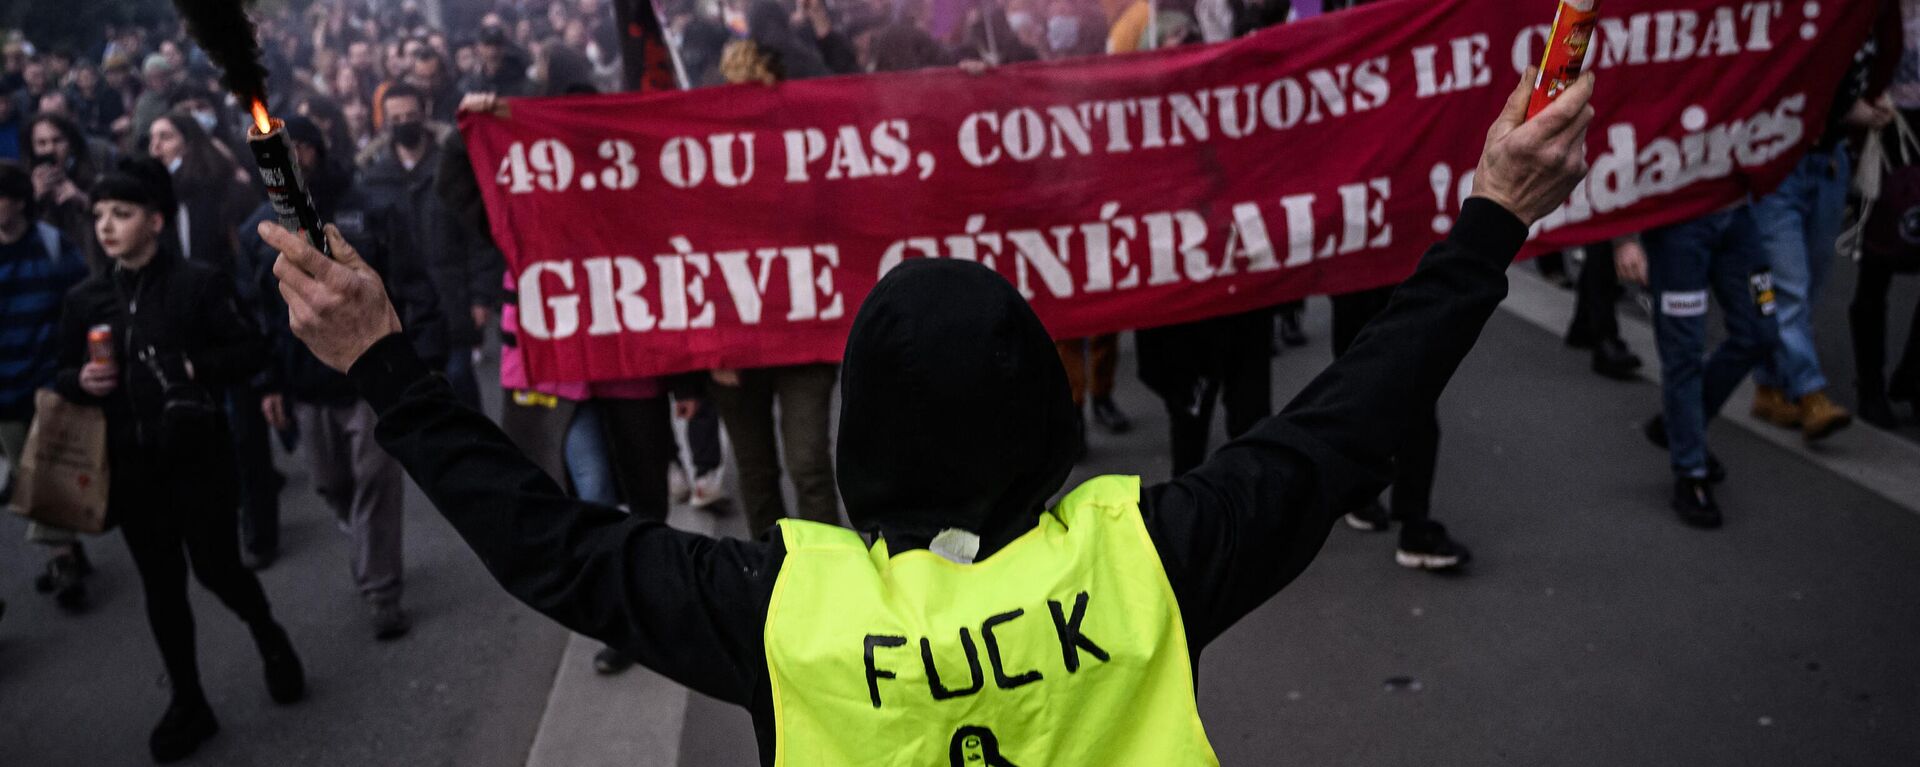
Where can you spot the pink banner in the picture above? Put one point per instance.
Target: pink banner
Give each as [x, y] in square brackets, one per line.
[741, 226]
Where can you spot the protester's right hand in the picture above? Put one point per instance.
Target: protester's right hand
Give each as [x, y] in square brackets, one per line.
[726, 376]
[337, 306]
[1530, 166]
[99, 378]
[481, 103]
[45, 179]
[274, 408]
[1630, 262]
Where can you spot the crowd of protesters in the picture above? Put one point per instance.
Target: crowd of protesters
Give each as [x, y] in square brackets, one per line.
[127, 199]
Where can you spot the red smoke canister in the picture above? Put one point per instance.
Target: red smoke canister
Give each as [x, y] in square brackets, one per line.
[1566, 51]
[286, 189]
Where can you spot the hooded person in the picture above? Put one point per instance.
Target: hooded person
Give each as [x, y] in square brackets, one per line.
[969, 621]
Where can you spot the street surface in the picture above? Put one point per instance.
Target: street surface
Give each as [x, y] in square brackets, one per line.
[1592, 628]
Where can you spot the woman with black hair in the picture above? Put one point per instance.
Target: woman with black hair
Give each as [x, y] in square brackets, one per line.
[178, 337]
[63, 169]
[214, 194]
[332, 121]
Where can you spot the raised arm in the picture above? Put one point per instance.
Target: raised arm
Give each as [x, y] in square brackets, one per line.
[1234, 531]
[685, 605]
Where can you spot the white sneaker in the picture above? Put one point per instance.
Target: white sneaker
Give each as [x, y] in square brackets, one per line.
[709, 488]
[677, 487]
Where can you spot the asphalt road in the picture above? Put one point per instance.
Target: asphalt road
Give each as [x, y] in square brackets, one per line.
[1592, 628]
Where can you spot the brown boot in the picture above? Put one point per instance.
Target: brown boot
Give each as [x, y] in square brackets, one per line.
[1820, 417]
[1772, 405]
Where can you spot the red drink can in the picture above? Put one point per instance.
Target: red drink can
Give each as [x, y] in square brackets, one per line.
[100, 344]
[1566, 51]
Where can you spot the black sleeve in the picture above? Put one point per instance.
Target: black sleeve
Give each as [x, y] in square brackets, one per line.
[1234, 531]
[688, 606]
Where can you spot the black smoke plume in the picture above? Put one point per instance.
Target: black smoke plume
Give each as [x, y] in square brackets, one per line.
[222, 29]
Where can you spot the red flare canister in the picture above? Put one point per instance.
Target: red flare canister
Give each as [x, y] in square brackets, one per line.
[1566, 51]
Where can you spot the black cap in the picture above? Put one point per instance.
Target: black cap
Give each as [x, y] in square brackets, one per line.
[141, 181]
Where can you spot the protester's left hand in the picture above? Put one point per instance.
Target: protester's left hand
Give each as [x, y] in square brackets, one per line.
[337, 307]
[1873, 115]
[1630, 262]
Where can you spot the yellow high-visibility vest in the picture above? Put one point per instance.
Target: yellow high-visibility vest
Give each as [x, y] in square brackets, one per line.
[1065, 648]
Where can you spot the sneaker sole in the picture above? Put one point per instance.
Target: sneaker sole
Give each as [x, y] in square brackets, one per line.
[1420, 561]
[1777, 419]
[1828, 430]
[1362, 525]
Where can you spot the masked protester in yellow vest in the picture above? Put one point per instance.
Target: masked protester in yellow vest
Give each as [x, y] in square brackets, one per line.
[967, 622]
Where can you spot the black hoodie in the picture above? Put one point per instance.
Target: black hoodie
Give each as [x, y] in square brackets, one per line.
[954, 414]
[963, 418]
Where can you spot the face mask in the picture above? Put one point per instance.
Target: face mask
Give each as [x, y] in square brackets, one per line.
[1063, 32]
[206, 119]
[1020, 21]
[409, 134]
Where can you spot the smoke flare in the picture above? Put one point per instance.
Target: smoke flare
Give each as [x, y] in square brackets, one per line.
[224, 31]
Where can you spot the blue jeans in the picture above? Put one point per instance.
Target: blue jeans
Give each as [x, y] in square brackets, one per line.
[466, 388]
[1798, 224]
[1719, 253]
[588, 464]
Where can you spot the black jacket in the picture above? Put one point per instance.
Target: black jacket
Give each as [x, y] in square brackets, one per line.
[373, 233]
[167, 317]
[464, 272]
[1230, 534]
[1173, 358]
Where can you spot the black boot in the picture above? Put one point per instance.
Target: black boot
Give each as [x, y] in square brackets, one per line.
[1612, 360]
[65, 579]
[611, 661]
[286, 679]
[1905, 386]
[1875, 407]
[1693, 501]
[188, 723]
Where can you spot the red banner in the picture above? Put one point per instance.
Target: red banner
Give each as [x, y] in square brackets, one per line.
[741, 226]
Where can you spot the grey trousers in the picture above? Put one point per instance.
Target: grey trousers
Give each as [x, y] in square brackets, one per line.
[362, 484]
[804, 394]
[13, 441]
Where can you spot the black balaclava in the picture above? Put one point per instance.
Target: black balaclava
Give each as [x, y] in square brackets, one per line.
[954, 408]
